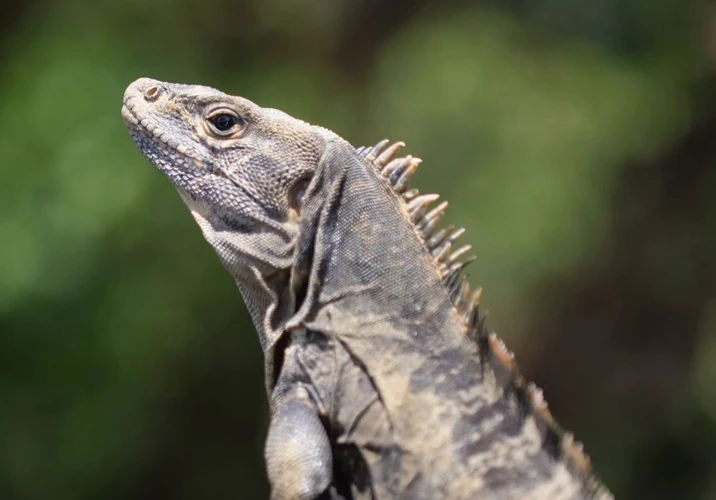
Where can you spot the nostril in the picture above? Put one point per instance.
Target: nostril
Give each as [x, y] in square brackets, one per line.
[151, 93]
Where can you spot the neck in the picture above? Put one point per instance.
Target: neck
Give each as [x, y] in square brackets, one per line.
[359, 259]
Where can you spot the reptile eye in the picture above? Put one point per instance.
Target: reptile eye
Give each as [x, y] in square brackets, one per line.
[225, 122]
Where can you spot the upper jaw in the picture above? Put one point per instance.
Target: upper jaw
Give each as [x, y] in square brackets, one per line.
[151, 137]
[138, 100]
[147, 87]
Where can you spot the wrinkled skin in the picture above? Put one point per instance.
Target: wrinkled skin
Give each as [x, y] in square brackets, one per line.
[376, 390]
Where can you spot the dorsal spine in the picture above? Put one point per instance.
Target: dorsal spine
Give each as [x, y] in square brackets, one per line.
[450, 265]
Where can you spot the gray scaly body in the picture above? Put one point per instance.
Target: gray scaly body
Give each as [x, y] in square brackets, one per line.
[382, 379]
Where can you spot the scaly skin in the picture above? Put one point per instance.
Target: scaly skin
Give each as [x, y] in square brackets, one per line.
[382, 380]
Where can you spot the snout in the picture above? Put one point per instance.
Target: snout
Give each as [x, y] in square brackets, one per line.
[144, 88]
[139, 93]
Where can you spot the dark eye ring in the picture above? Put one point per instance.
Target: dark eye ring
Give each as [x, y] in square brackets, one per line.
[225, 121]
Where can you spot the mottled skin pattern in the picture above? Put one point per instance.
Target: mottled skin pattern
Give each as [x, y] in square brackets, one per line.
[383, 383]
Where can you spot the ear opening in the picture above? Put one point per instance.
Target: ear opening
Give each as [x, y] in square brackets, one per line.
[297, 193]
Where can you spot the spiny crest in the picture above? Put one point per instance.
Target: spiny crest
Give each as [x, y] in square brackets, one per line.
[449, 262]
[493, 352]
[558, 442]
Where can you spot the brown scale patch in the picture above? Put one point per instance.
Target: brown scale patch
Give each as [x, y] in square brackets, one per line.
[559, 443]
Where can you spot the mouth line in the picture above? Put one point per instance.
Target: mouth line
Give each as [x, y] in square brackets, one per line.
[135, 124]
[137, 128]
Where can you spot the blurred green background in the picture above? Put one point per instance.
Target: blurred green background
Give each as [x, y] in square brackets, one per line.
[576, 141]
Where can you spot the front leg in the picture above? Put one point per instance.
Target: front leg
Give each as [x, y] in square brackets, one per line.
[298, 453]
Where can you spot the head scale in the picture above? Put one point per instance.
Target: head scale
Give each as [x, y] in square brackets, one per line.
[241, 169]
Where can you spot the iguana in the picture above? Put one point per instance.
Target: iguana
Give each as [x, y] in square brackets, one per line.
[382, 378]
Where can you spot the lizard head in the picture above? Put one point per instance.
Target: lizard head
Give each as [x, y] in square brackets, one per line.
[241, 169]
[234, 163]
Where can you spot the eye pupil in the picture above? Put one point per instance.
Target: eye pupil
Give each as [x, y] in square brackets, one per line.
[224, 122]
